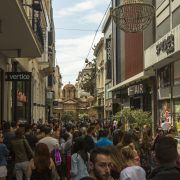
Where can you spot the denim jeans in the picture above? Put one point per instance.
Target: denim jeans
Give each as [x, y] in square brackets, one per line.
[20, 169]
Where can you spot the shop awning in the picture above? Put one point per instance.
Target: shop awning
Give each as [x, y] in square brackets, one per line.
[127, 82]
[16, 34]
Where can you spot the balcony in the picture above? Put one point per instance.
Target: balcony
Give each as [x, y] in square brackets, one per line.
[19, 36]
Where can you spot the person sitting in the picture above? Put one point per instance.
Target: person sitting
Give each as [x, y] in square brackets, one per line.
[166, 154]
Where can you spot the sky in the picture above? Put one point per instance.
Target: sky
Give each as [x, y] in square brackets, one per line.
[72, 46]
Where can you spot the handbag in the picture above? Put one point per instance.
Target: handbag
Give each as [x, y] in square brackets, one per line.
[57, 157]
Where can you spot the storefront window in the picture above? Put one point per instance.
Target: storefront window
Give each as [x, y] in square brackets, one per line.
[165, 112]
[164, 77]
[177, 114]
[21, 100]
[176, 73]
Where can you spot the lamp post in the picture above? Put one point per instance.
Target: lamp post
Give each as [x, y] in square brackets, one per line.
[133, 15]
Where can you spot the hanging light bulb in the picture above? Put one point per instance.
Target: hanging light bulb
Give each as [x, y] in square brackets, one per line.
[133, 15]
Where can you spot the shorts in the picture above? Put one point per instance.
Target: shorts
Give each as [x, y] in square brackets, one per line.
[3, 171]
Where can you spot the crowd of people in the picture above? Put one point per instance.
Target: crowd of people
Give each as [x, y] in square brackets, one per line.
[86, 151]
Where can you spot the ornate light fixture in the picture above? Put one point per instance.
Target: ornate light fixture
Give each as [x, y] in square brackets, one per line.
[133, 15]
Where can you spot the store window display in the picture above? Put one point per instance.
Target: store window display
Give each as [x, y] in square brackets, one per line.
[177, 114]
[165, 115]
[164, 77]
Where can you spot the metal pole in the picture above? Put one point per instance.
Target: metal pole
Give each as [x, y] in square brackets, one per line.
[14, 94]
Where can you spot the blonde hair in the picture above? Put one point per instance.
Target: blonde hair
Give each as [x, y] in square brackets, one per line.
[127, 155]
[116, 158]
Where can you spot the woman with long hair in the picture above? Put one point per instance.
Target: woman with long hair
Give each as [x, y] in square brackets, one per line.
[41, 166]
[145, 151]
[116, 161]
[131, 171]
[79, 160]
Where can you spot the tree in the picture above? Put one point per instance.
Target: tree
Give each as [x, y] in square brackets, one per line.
[88, 83]
[137, 118]
[68, 116]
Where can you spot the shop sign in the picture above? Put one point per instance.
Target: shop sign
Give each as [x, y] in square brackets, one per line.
[18, 76]
[136, 89]
[167, 45]
[108, 58]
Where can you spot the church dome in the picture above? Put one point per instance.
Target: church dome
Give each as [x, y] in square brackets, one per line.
[69, 86]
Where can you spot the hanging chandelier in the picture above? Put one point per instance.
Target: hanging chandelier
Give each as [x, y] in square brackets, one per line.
[133, 15]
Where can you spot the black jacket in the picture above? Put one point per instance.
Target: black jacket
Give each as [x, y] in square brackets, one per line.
[165, 173]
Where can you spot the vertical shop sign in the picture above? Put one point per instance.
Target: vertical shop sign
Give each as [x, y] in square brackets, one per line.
[108, 58]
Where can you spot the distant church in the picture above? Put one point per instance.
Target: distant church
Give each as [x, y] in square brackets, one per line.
[70, 102]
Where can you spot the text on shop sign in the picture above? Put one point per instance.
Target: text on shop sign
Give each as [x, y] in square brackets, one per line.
[18, 76]
[136, 89]
[167, 45]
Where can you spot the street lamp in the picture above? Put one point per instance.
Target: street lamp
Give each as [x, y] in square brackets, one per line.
[133, 15]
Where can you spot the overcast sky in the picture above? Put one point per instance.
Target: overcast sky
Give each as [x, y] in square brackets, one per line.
[72, 46]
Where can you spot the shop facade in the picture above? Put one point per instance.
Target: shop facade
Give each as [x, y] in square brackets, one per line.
[1, 94]
[21, 93]
[163, 57]
[135, 96]
[168, 79]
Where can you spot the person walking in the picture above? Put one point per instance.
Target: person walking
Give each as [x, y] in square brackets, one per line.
[131, 170]
[41, 166]
[79, 160]
[100, 164]
[103, 139]
[48, 140]
[22, 152]
[166, 154]
[3, 154]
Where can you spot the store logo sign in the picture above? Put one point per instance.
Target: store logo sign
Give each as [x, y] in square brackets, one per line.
[167, 45]
[18, 76]
[136, 89]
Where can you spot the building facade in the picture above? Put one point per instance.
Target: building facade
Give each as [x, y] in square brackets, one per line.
[26, 61]
[131, 86]
[163, 58]
[108, 59]
[99, 54]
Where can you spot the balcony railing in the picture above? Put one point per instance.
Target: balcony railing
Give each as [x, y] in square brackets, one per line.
[39, 30]
[33, 12]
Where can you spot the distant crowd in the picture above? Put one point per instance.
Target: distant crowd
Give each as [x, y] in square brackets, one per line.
[87, 151]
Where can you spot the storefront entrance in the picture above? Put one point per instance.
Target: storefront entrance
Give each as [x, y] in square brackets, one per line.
[21, 93]
[1, 96]
[136, 103]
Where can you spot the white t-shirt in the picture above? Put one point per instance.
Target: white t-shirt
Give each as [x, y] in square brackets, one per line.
[133, 173]
[50, 142]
